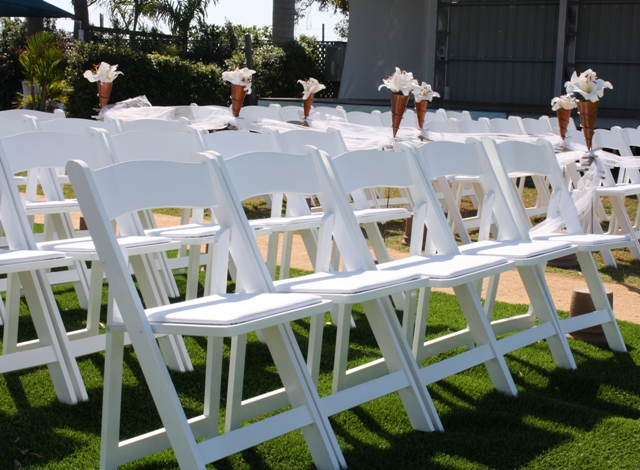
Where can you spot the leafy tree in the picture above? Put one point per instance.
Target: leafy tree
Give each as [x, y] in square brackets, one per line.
[333, 6]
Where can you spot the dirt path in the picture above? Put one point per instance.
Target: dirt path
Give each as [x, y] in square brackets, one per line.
[626, 299]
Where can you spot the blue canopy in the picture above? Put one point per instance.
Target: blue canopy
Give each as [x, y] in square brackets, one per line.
[32, 9]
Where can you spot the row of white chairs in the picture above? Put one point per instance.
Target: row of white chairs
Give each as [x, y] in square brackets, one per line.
[269, 172]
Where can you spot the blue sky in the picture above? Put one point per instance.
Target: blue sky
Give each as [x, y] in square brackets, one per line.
[245, 12]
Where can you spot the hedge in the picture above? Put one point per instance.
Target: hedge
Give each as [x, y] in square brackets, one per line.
[164, 80]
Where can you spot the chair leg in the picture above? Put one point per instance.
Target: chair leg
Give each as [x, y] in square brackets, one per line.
[236, 377]
[343, 325]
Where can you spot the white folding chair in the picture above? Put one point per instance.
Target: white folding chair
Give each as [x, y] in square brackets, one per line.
[409, 119]
[41, 115]
[374, 118]
[469, 126]
[145, 184]
[450, 127]
[25, 268]
[442, 159]
[447, 268]
[17, 126]
[505, 126]
[368, 206]
[256, 113]
[538, 126]
[360, 283]
[336, 112]
[510, 157]
[77, 125]
[459, 115]
[556, 126]
[151, 123]
[292, 113]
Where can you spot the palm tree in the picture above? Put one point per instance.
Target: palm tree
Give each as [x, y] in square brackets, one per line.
[180, 14]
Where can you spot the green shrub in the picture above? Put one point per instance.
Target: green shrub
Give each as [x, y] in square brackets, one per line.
[164, 80]
[278, 69]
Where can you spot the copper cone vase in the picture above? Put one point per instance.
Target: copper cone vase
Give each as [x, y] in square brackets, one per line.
[237, 98]
[307, 105]
[563, 120]
[104, 91]
[421, 110]
[398, 106]
[588, 111]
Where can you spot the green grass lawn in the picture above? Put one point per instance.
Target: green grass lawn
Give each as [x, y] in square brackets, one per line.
[567, 419]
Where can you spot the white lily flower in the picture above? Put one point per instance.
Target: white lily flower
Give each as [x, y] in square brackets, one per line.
[423, 92]
[102, 73]
[311, 87]
[588, 85]
[563, 102]
[240, 77]
[399, 82]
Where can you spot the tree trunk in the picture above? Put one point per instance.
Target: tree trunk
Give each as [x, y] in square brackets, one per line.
[284, 17]
[81, 10]
[34, 25]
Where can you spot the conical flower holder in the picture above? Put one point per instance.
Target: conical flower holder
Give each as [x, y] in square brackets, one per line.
[104, 91]
[421, 110]
[306, 104]
[398, 106]
[237, 98]
[563, 120]
[588, 111]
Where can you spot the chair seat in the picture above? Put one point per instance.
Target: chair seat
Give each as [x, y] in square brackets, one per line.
[85, 244]
[619, 190]
[588, 241]
[229, 309]
[295, 223]
[347, 283]
[9, 257]
[445, 266]
[381, 214]
[52, 207]
[519, 250]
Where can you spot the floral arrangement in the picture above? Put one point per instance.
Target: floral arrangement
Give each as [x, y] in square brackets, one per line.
[587, 86]
[423, 92]
[399, 82]
[311, 87]
[563, 102]
[104, 73]
[241, 77]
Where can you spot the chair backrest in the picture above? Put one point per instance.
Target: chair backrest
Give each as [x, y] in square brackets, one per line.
[537, 126]
[409, 118]
[469, 126]
[153, 144]
[439, 160]
[17, 126]
[459, 115]
[615, 140]
[77, 126]
[293, 141]
[365, 119]
[157, 124]
[367, 169]
[433, 116]
[39, 149]
[230, 143]
[291, 113]
[555, 125]
[252, 174]
[505, 126]
[336, 112]
[442, 126]
[255, 113]
[41, 115]
[511, 158]
[125, 188]
[574, 135]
